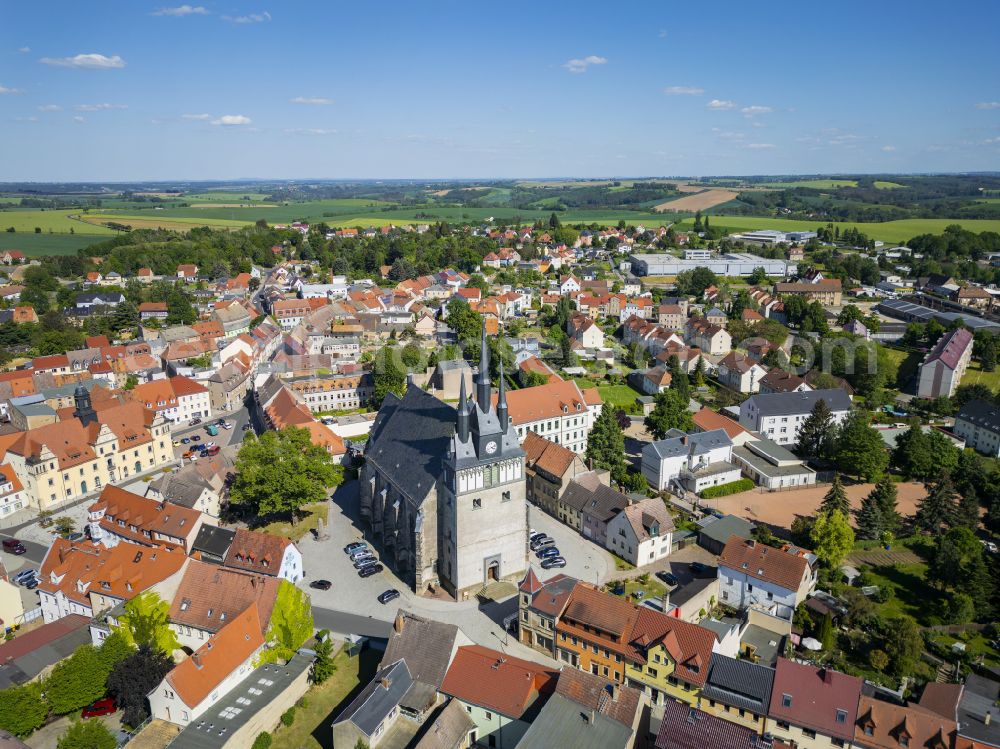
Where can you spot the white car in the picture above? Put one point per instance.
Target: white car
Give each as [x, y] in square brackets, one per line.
[227, 425]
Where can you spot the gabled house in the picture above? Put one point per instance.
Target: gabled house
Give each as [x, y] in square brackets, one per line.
[119, 515]
[642, 532]
[886, 725]
[740, 373]
[265, 554]
[372, 715]
[738, 691]
[549, 467]
[540, 604]
[692, 461]
[779, 416]
[752, 574]
[812, 706]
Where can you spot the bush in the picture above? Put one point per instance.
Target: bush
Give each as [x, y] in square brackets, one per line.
[724, 490]
[288, 717]
[263, 741]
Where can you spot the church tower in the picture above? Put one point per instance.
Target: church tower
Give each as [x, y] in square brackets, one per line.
[483, 510]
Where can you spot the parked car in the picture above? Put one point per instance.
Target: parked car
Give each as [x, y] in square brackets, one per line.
[187, 454]
[214, 450]
[366, 562]
[23, 575]
[13, 546]
[212, 430]
[196, 438]
[542, 543]
[548, 551]
[220, 421]
[361, 551]
[104, 706]
[370, 570]
[226, 425]
[32, 583]
[354, 546]
[195, 421]
[321, 584]
[390, 595]
[551, 562]
[668, 578]
[185, 440]
[177, 443]
[536, 536]
[697, 568]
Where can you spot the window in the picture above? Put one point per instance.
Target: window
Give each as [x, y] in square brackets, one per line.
[786, 700]
[477, 504]
[808, 733]
[841, 716]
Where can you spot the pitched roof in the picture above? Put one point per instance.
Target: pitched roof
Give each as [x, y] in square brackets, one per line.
[708, 420]
[646, 514]
[487, 678]
[684, 727]
[820, 699]
[123, 571]
[597, 693]
[425, 644]
[763, 562]
[197, 676]
[950, 348]
[546, 455]
[210, 596]
[739, 683]
[788, 404]
[587, 494]
[145, 514]
[551, 400]
[551, 597]
[881, 725]
[255, 551]
[561, 723]
[380, 697]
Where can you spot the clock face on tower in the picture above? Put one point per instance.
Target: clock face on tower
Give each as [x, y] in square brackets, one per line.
[491, 447]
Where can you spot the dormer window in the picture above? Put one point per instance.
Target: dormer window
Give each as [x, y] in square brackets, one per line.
[841, 716]
[786, 700]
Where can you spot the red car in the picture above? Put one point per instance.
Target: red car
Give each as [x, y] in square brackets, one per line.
[104, 706]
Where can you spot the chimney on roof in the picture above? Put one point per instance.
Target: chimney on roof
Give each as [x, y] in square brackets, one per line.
[398, 623]
[828, 675]
[196, 657]
[385, 682]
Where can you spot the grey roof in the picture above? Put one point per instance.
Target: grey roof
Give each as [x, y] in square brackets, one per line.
[213, 540]
[379, 697]
[979, 696]
[409, 443]
[720, 529]
[448, 730]
[689, 444]
[450, 364]
[425, 644]
[787, 404]
[562, 723]
[602, 502]
[739, 683]
[765, 467]
[108, 298]
[216, 726]
[767, 645]
[907, 310]
[981, 414]
[62, 638]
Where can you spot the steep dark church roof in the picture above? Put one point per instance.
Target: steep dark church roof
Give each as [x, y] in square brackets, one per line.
[409, 441]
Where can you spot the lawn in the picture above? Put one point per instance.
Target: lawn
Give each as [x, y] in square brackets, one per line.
[619, 396]
[882, 185]
[975, 375]
[911, 594]
[312, 515]
[651, 589]
[37, 245]
[324, 702]
[887, 231]
[906, 362]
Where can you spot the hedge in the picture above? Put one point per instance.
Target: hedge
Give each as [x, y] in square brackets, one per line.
[724, 490]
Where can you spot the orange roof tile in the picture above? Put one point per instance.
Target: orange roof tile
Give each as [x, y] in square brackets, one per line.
[495, 681]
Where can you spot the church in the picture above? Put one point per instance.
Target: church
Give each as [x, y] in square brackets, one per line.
[444, 490]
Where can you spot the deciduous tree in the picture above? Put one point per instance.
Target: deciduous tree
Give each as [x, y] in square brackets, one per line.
[291, 623]
[133, 678]
[87, 734]
[670, 412]
[146, 621]
[832, 538]
[860, 450]
[606, 444]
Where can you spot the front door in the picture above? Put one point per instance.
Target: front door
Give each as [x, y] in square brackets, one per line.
[493, 571]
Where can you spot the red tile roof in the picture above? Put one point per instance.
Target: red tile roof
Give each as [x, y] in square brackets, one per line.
[764, 562]
[498, 682]
[254, 551]
[811, 697]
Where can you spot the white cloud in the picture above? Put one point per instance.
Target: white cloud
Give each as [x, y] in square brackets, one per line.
[78, 119]
[5, 90]
[761, 146]
[98, 107]
[181, 10]
[888, 149]
[721, 104]
[50, 108]
[26, 119]
[228, 120]
[754, 110]
[988, 105]
[249, 18]
[309, 131]
[202, 117]
[24, 50]
[580, 66]
[314, 100]
[728, 135]
[91, 61]
[683, 91]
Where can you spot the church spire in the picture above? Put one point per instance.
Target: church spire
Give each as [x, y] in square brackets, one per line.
[463, 414]
[502, 400]
[483, 390]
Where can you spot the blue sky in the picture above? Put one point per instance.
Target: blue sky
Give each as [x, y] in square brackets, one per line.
[222, 90]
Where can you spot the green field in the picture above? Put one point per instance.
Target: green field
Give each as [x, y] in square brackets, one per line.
[619, 396]
[35, 245]
[57, 221]
[881, 185]
[816, 184]
[218, 196]
[974, 375]
[888, 231]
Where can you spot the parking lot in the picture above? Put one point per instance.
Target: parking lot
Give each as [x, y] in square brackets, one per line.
[585, 560]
